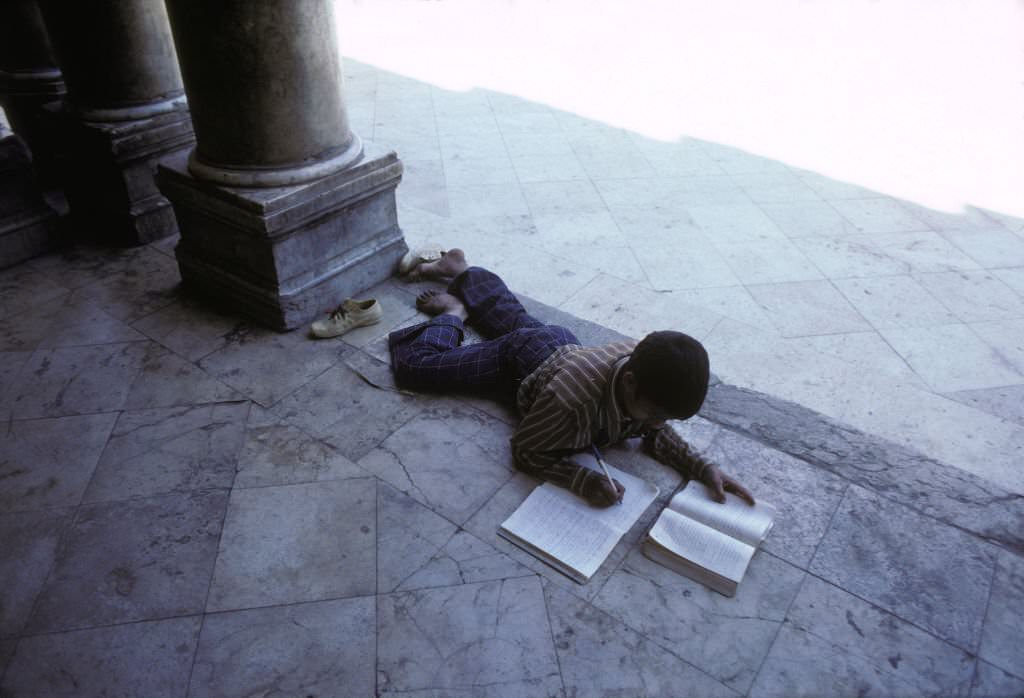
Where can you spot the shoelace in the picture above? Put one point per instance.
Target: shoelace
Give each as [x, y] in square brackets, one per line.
[338, 313]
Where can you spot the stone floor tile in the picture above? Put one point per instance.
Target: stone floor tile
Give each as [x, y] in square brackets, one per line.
[174, 450]
[23, 288]
[635, 312]
[990, 248]
[424, 186]
[137, 559]
[804, 308]
[615, 164]
[445, 458]
[350, 415]
[295, 543]
[466, 172]
[548, 168]
[651, 193]
[136, 659]
[12, 363]
[489, 639]
[885, 553]
[527, 122]
[853, 256]
[554, 198]
[594, 228]
[267, 366]
[48, 462]
[411, 144]
[165, 379]
[600, 656]
[324, 648]
[864, 352]
[924, 251]
[727, 638]
[729, 223]
[799, 219]
[1000, 636]
[736, 161]
[734, 302]
[768, 261]
[653, 226]
[1014, 278]
[976, 363]
[833, 643]
[776, 186]
[277, 453]
[190, 328]
[833, 189]
[520, 144]
[408, 536]
[1006, 402]
[966, 219]
[1007, 338]
[697, 265]
[150, 283]
[894, 302]
[78, 380]
[30, 540]
[478, 200]
[806, 497]
[417, 548]
[710, 190]
[87, 263]
[974, 296]
[63, 322]
[672, 161]
[993, 682]
[481, 144]
[878, 215]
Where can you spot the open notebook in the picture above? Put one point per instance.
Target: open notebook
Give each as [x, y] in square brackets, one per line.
[709, 542]
[564, 531]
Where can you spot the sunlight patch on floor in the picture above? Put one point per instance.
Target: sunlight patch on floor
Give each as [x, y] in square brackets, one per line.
[920, 99]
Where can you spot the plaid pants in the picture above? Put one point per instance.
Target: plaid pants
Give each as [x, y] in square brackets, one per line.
[429, 356]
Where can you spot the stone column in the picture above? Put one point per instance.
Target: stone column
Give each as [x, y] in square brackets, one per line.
[282, 211]
[29, 78]
[27, 224]
[125, 112]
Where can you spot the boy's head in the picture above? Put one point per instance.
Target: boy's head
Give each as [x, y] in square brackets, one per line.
[666, 377]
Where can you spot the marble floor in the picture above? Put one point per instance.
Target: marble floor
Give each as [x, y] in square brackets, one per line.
[196, 506]
[192, 505]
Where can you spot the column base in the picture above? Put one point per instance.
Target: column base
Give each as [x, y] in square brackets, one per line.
[284, 255]
[109, 174]
[28, 226]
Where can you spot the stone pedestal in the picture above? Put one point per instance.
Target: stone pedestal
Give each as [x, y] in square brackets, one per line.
[282, 214]
[125, 112]
[281, 255]
[110, 173]
[27, 225]
[29, 78]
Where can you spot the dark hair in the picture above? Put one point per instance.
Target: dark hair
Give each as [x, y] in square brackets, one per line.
[671, 370]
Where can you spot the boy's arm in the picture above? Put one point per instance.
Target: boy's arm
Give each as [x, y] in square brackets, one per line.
[668, 447]
[548, 434]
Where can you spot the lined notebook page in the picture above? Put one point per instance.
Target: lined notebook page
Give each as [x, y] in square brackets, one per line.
[702, 545]
[735, 518]
[565, 527]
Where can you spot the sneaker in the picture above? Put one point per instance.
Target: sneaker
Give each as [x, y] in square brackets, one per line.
[348, 316]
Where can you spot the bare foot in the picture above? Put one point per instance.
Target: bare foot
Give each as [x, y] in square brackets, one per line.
[452, 263]
[437, 303]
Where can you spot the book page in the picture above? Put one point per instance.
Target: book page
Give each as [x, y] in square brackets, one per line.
[563, 526]
[735, 518]
[702, 545]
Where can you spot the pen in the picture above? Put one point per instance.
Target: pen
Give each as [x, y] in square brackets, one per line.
[604, 467]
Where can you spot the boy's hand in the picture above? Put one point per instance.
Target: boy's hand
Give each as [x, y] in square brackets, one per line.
[598, 492]
[719, 484]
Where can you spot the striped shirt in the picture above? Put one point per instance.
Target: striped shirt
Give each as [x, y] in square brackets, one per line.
[568, 404]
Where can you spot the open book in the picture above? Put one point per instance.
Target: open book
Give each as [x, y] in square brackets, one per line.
[564, 531]
[709, 542]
